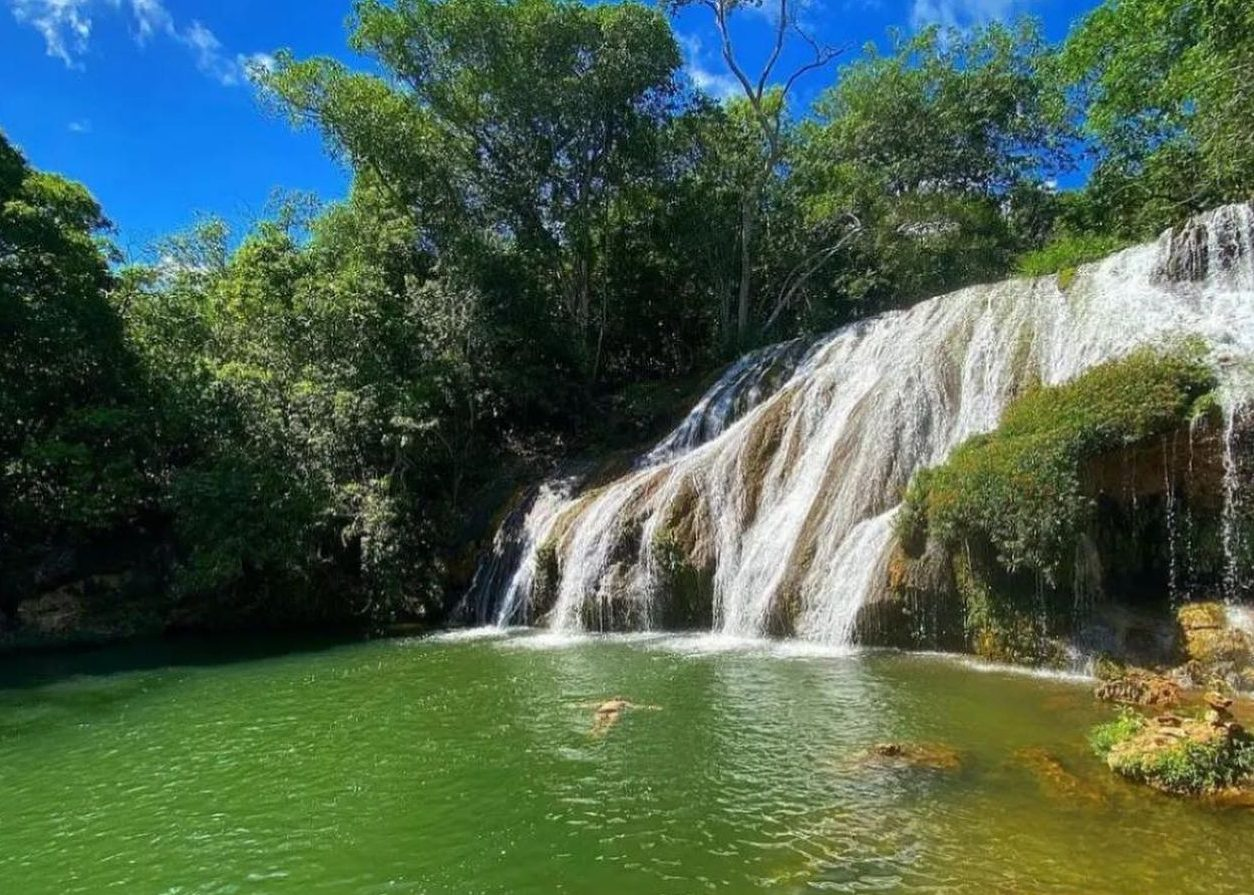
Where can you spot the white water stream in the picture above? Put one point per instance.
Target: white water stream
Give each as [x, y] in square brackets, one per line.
[788, 492]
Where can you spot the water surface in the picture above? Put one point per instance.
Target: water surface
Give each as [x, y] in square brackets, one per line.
[466, 765]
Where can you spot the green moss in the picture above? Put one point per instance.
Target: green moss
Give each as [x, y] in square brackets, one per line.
[689, 590]
[547, 578]
[1019, 488]
[1066, 253]
[1207, 408]
[1002, 622]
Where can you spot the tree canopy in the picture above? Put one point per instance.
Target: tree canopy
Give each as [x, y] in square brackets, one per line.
[550, 239]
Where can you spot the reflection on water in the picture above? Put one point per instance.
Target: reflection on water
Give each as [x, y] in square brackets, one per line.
[464, 764]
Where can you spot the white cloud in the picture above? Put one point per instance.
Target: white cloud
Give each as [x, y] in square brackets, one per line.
[963, 14]
[718, 84]
[150, 18]
[66, 27]
[81, 126]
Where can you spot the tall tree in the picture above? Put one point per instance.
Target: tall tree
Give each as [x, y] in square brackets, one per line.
[938, 148]
[766, 95]
[1167, 88]
[508, 123]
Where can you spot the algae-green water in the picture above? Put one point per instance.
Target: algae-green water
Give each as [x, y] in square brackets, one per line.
[464, 765]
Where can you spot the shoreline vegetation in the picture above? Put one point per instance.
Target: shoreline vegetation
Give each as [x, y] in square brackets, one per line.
[318, 423]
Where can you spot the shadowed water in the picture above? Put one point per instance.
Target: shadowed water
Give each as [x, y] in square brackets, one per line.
[466, 764]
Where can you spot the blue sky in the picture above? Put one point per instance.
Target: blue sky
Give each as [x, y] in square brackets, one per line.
[148, 101]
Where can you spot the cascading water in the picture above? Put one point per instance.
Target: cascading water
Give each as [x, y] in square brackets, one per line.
[789, 509]
[742, 387]
[506, 575]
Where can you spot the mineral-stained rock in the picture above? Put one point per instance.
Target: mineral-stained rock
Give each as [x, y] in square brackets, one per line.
[1139, 687]
[1209, 640]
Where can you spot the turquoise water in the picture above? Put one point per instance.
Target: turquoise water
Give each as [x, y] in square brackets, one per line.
[464, 765]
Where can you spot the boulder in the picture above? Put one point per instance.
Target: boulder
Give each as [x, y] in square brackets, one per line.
[1139, 687]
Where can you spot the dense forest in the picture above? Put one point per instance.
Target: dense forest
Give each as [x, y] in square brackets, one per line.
[551, 237]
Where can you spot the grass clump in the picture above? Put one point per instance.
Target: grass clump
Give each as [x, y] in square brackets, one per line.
[1104, 737]
[1065, 253]
[1020, 487]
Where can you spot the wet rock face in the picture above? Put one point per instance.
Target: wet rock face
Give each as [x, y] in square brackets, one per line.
[1209, 244]
[93, 609]
[1213, 649]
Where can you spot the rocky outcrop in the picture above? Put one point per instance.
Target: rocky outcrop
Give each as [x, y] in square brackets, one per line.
[1196, 756]
[1140, 687]
[1213, 649]
[1076, 526]
[925, 756]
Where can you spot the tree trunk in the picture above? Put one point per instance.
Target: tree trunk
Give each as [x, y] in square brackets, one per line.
[748, 205]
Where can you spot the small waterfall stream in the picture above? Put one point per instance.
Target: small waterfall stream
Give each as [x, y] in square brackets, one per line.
[784, 480]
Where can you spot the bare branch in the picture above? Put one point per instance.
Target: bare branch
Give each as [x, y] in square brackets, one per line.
[808, 267]
[781, 31]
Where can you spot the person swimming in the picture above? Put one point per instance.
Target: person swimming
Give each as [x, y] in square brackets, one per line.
[609, 712]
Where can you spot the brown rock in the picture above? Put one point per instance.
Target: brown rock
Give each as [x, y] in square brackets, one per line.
[1055, 778]
[1139, 687]
[1218, 702]
[1210, 644]
[931, 756]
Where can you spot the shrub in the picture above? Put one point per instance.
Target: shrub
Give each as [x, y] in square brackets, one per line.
[1198, 759]
[1106, 736]
[1065, 253]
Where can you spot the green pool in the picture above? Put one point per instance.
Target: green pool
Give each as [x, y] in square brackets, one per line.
[466, 765]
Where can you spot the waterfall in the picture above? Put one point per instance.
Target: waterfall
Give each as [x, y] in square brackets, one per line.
[782, 486]
[505, 576]
[743, 386]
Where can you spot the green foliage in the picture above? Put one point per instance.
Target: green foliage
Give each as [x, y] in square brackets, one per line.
[1067, 251]
[1166, 94]
[523, 120]
[1019, 488]
[1188, 765]
[544, 224]
[72, 445]
[941, 150]
[1106, 736]
[1198, 767]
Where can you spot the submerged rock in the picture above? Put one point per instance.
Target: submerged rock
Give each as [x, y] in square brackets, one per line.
[1054, 778]
[930, 756]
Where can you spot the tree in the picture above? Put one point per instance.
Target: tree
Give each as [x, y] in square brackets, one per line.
[502, 124]
[1167, 90]
[939, 148]
[767, 101]
[73, 441]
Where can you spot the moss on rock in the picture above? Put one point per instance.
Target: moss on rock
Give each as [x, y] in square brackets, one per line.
[1020, 487]
[1176, 755]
